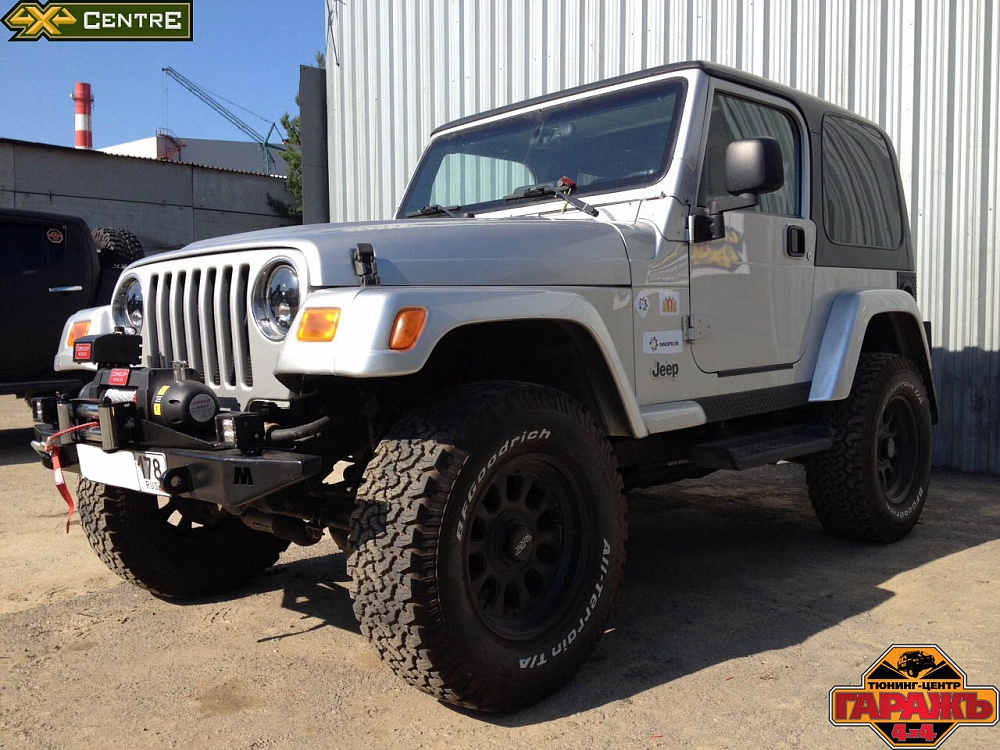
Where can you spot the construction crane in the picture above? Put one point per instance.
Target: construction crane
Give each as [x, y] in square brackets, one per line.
[261, 140]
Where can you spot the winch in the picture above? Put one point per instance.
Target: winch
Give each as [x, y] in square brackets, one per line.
[174, 398]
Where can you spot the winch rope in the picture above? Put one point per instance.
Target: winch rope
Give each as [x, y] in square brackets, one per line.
[57, 473]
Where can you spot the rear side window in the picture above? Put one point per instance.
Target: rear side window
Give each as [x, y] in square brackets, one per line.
[861, 202]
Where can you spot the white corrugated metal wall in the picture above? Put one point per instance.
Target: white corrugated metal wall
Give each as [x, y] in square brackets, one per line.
[927, 70]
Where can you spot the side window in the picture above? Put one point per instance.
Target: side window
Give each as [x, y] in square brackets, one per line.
[734, 119]
[30, 247]
[861, 203]
[464, 179]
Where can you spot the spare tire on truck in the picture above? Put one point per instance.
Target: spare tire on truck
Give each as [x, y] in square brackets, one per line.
[116, 247]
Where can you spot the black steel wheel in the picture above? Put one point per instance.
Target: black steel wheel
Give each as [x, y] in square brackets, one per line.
[523, 544]
[872, 484]
[490, 540]
[176, 548]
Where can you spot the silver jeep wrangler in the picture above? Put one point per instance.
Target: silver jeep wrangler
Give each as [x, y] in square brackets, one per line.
[626, 284]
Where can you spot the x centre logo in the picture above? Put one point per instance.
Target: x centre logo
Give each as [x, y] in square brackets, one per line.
[33, 20]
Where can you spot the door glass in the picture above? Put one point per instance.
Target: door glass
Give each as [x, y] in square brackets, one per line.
[734, 119]
[28, 249]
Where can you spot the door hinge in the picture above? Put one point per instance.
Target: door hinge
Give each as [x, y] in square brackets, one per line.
[696, 327]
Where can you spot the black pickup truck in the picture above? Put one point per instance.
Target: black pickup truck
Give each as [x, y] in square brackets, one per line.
[51, 265]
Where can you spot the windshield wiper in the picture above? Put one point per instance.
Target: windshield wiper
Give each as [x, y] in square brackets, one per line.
[562, 189]
[435, 210]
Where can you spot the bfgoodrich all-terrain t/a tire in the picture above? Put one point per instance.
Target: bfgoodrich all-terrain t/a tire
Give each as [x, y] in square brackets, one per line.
[175, 548]
[490, 544]
[871, 486]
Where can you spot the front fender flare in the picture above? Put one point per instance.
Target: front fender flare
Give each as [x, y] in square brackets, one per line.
[360, 347]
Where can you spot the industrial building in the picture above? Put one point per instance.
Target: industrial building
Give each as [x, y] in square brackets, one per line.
[165, 204]
[239, 156]
[926, 70]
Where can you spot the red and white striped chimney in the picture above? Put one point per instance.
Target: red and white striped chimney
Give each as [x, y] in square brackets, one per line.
[84, 102]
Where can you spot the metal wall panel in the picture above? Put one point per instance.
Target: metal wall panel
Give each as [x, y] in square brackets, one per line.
[927, 70]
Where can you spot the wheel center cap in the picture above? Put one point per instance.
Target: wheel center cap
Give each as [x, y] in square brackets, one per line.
[890, 448]
[520, 544]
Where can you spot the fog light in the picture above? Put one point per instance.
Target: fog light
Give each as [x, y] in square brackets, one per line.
[242, 430]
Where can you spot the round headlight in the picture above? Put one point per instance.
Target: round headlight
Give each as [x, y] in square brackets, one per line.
[276, 299]
[127, 308]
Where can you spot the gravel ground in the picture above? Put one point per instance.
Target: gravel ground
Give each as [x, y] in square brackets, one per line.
[737, 617]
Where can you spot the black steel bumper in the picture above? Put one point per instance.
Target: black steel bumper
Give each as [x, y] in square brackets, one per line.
[167, 462]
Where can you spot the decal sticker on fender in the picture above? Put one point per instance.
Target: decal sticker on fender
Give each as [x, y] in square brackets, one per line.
[663, 342]
[642, 304]
[670, 302]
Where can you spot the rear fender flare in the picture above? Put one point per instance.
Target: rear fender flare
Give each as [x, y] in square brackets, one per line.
[851, 315]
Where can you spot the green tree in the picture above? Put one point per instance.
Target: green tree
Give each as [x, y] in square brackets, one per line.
[293, 158]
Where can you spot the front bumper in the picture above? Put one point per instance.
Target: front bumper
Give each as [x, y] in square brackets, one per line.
[125, 450]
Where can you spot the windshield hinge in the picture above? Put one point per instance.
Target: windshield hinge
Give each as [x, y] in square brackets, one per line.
[365, 264]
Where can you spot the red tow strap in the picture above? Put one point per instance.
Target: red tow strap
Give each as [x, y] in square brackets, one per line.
[57, 473]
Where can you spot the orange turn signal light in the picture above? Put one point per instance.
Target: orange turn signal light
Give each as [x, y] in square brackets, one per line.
[80, 328]
[406, 329]
[319, 324]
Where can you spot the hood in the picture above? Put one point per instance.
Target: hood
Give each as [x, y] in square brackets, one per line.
[446, 252]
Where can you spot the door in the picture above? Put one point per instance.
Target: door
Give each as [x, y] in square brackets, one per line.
[752, 290]
[46, 274]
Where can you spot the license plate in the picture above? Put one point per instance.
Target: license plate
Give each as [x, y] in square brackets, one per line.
[149, 467]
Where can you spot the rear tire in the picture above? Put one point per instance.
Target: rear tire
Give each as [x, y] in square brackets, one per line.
[176, 548]
[490, 544]
[871, 486]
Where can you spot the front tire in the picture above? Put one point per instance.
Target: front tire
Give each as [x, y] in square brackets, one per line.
[872, 485]
[174, 548]
[490, 544]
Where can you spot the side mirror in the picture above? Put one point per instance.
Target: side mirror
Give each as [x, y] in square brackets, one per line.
[754, 166]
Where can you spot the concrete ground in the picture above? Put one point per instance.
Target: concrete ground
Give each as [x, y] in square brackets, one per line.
[737, 617]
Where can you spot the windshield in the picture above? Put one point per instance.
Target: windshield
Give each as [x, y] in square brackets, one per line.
[619, 140]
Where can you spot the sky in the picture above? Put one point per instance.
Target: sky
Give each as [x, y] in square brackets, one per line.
[247, 52]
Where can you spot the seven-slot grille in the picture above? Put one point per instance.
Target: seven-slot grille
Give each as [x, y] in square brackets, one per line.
[200, 316]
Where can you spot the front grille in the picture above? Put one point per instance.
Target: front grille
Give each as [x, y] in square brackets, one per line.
[200, 317]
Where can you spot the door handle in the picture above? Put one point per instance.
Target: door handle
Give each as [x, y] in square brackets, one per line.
[795, 242]
[64, 289]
